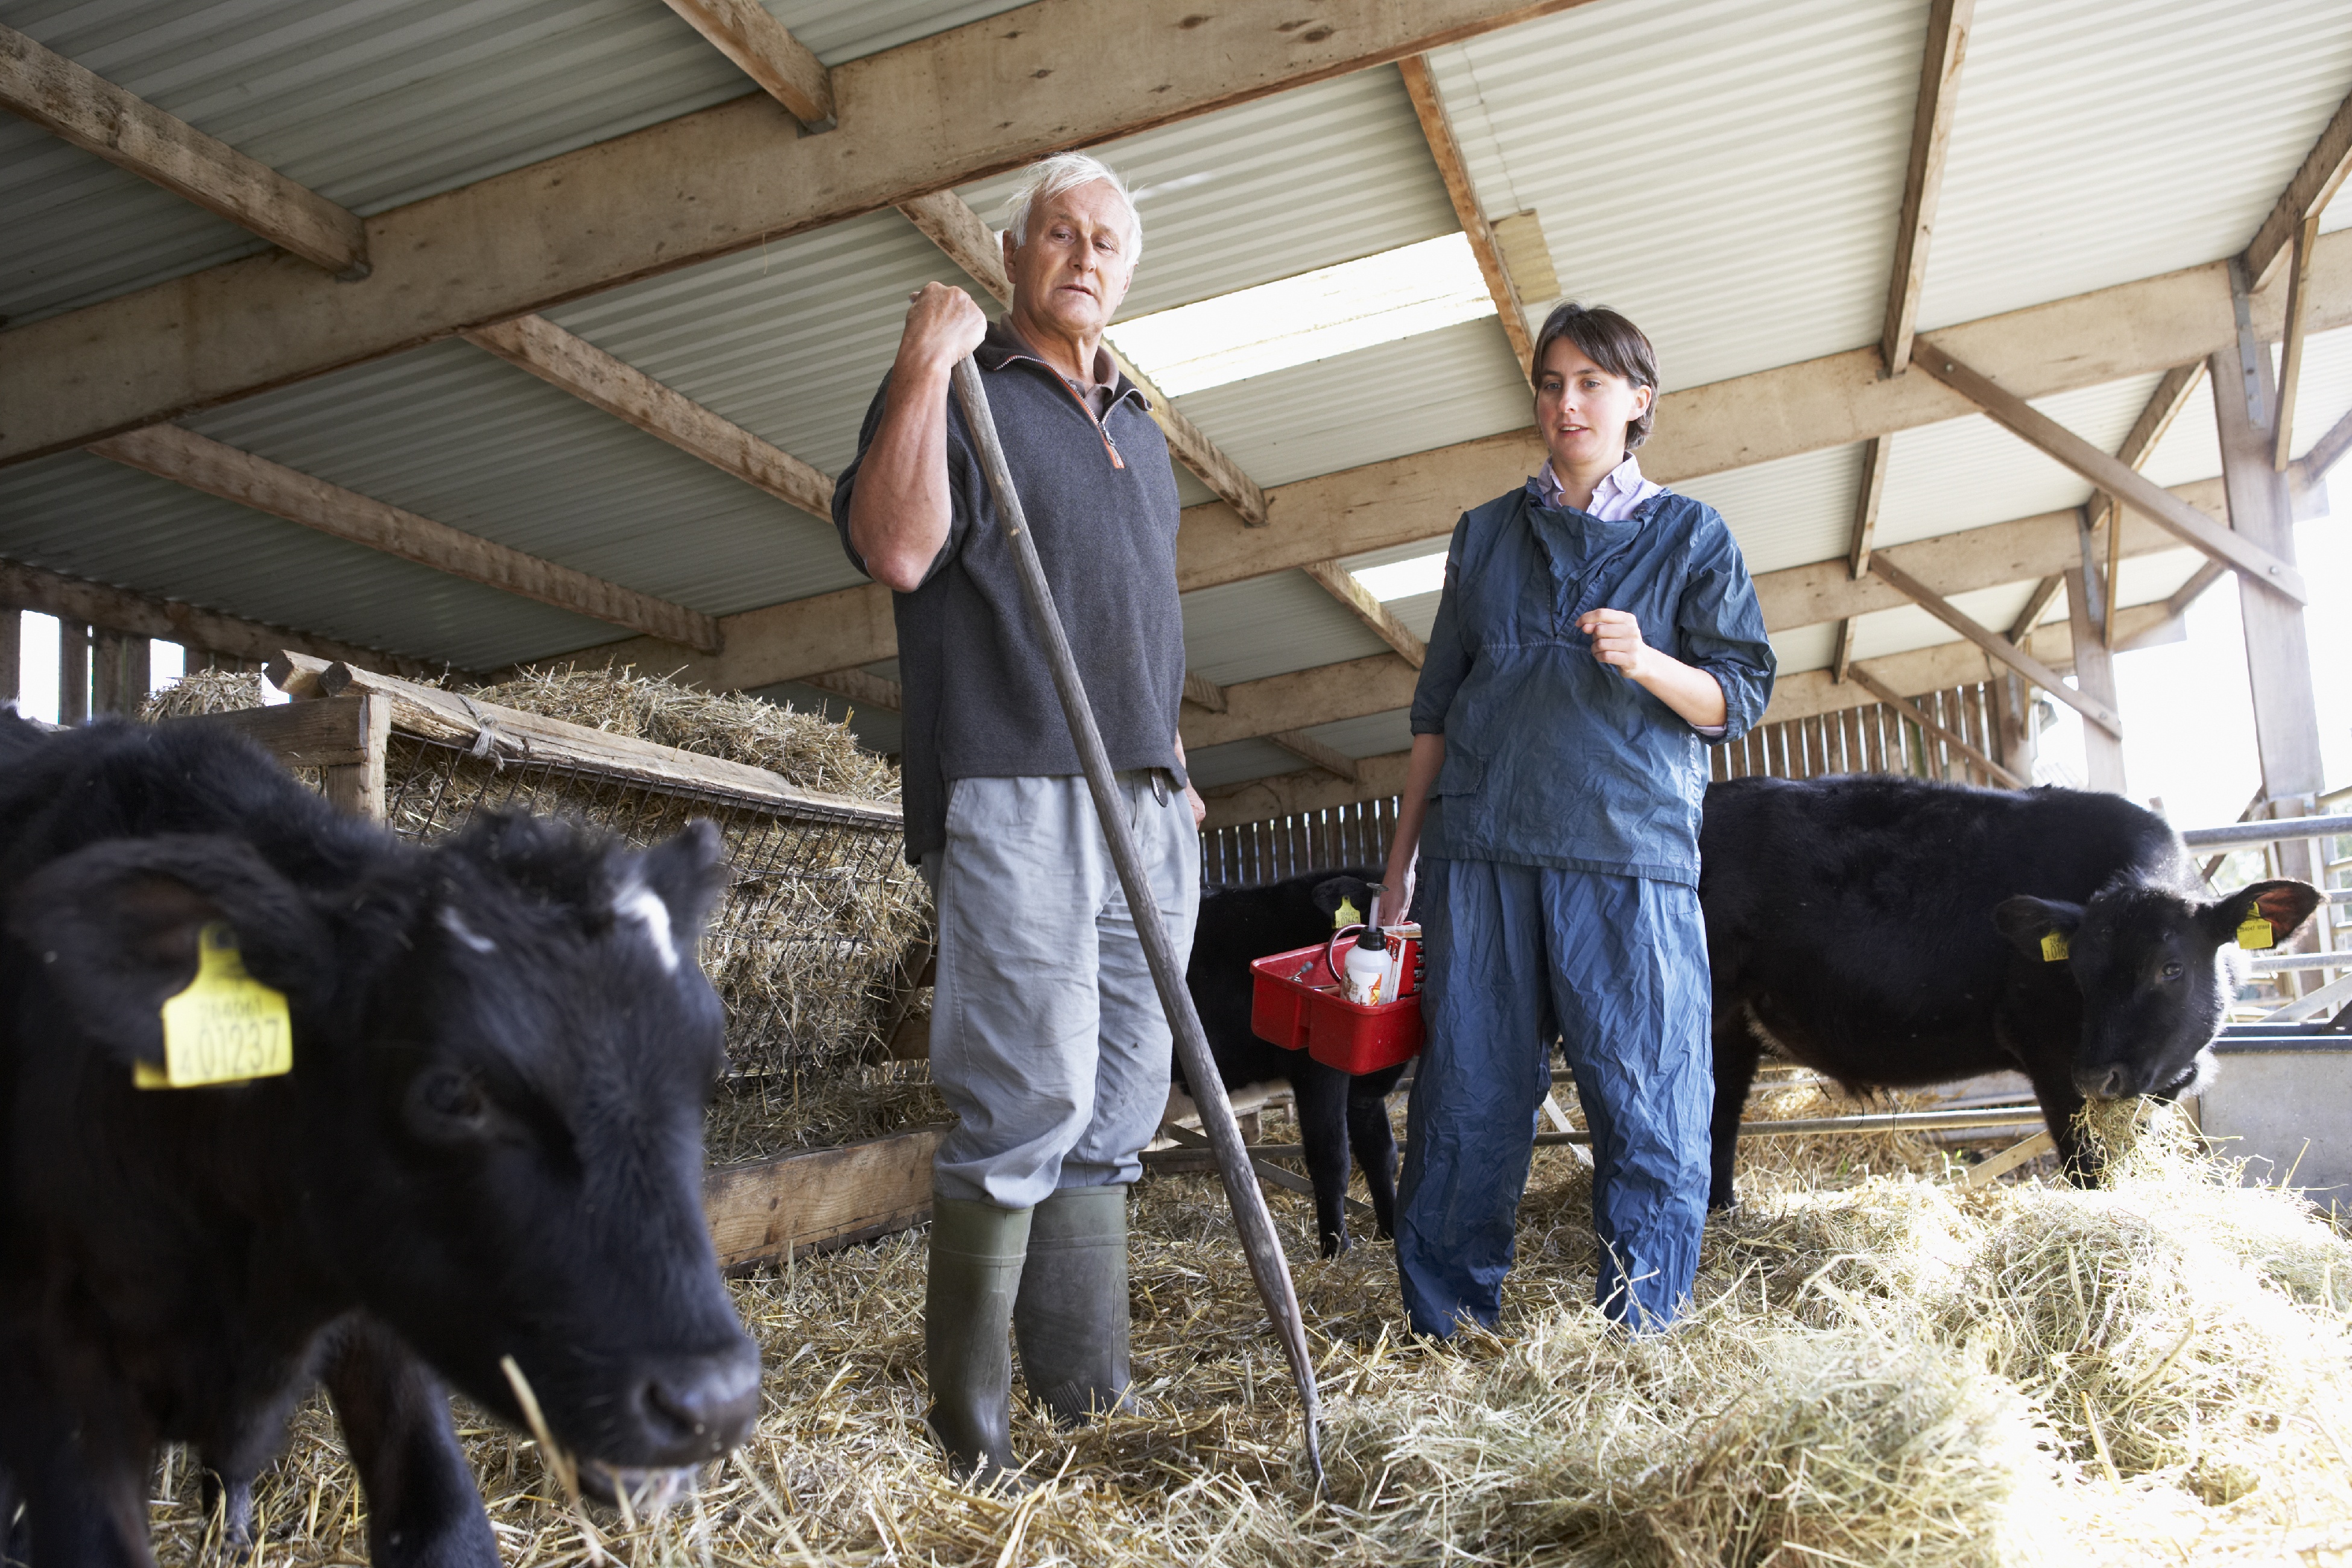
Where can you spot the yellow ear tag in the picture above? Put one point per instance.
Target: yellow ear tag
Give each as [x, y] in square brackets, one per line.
[2256, 934]
[2054, 947]
[1346, 914]
[225, 1027]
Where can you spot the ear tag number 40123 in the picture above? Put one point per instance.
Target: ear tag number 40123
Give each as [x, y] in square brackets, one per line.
[225, 1027]
[2256, 933]
[2054, 947]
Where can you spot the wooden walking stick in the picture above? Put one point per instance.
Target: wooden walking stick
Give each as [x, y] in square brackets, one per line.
[1257, 1225]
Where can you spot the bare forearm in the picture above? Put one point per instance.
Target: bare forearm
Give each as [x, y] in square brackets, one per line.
[1684, 688]
[1420, 777]
[899, 516]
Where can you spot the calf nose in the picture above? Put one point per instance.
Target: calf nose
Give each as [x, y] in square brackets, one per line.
[698, 1406]
[2101, 1083]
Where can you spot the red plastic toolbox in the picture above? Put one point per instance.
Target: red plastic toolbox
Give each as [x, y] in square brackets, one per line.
[1294, 1003]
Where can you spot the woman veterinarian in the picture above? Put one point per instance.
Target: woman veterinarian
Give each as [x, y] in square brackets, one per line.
[1596, 631]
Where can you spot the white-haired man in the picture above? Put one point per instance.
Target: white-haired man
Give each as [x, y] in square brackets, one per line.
[1046, 1036]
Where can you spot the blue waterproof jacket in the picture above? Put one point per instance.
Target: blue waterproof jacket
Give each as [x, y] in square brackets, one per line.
[1553, 758]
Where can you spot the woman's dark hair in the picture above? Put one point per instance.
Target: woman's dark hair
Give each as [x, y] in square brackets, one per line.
[1614, 343]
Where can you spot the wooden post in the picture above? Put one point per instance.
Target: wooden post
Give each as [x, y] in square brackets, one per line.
[12, 654]
[73, 671]
[105, 671]
[2013, 706]
[2278, 654]
[359, 788]
[2094, 676]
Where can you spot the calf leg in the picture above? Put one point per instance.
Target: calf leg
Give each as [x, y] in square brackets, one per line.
[78, 1458]
[2062, 1102]
[1373, 1142]
[1322, 1103]
[423, 1509]
[1735, 1053]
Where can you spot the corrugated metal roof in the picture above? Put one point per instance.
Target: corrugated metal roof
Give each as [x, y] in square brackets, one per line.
[1786, 513]
[2101, 140]
[372, 104]
[1969, 473]
[1440, 388]
[2192, 450]
[1269, 626]
[456, 435]
[89, 518]
[1725, 172]
[1271, 188]
[1237, 761]
[1372, 735]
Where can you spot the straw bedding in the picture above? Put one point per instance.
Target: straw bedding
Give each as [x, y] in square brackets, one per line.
[1885, 1368]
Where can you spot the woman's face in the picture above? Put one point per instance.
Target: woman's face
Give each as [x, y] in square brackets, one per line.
[1583, 409]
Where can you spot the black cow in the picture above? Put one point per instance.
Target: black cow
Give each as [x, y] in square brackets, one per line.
[1337, 1110]
[1889, 932]
[488, 1152]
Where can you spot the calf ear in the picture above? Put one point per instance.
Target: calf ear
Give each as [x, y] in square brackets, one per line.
[2024, 921]
[687, 875]
[115, 926]
[2286, 904]
[1327, 896]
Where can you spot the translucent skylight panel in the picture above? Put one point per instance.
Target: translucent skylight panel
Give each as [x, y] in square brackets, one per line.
[1381, 299]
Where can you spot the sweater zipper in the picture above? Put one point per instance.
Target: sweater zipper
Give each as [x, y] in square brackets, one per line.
[1101, 428]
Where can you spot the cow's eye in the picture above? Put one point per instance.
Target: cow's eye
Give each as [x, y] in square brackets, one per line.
[2172, 970]
[448, 1102]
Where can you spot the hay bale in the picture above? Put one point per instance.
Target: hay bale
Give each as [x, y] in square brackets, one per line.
[204, 691]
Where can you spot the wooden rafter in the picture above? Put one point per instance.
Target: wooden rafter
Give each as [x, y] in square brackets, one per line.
[1338, 763]
[1999, 647]
[581, 368]
[2188, 593]
[1875, 453]
[2298, 313]
[127, 131]
[1923, 181]
[2328, 451]
[747, 33]
[1203, 694]
[1952, 738]
[199, 630]
[948, 221]
[1357, 600]
[1437, 129]
[2306, 196]
[861, 687]
[2037, 604]
[2126, 484]
[203, 464]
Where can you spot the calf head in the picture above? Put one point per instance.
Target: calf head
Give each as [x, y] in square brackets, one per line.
[1353, 892]
[503, 1050]
[2156, 971]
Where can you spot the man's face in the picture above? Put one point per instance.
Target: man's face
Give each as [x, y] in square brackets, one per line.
[1079, 260]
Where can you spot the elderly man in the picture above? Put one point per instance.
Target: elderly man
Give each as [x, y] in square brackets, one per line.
[1046, 1036]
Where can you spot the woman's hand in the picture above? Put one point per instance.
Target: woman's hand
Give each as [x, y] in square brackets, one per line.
[1617, 642]
[1687, 690]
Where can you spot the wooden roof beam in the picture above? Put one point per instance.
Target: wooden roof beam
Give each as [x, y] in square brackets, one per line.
[2126, 484]
[200, 463]
[1923, 179]
[1357, 600]
[861, 687]
[963, 235]
[1999, 647]
[85, 108]
[1308, 749]
[763, 48]
[2299, 322]
[1203, 694]
[2306, 195]
[577, 366]
[1437, 129]
[1874, 455]
[2326, 452]
[148, 615]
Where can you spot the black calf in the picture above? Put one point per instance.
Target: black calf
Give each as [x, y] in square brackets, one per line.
[1890, 934]
[488, 1149]
[1337, 1111]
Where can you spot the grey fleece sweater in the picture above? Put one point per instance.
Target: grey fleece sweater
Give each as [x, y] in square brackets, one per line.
[1101, 504]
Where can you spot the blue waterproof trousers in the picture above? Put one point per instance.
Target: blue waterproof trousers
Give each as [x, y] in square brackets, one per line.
[1617, 967]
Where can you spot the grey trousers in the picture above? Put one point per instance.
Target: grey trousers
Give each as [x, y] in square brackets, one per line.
[1047, 1038]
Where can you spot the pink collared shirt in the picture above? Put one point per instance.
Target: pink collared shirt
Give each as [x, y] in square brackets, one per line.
[1620, 493]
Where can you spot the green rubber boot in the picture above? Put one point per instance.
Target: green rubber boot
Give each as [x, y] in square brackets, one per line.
[976, 1253]
[1071, 1317]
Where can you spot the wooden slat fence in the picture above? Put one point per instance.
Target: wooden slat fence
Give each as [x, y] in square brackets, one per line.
[1873, 739]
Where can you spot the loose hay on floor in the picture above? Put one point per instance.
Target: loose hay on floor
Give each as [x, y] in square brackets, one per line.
[1882, 1370]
